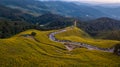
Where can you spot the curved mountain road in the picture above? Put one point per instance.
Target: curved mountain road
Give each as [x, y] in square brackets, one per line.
[72, 45]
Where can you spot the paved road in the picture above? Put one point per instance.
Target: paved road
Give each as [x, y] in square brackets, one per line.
[72, 45]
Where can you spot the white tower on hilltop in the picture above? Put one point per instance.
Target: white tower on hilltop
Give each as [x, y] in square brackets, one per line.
[75, 23]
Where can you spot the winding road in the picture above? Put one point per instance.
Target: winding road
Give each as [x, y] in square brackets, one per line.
[72, 45]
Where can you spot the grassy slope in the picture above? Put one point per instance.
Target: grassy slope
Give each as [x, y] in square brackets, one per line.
[78, 35]
[25, 52]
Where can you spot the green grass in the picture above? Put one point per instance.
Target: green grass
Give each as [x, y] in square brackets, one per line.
[19, 51]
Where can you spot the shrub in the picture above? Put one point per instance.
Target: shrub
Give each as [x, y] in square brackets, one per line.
[33, 33]
[117, 49]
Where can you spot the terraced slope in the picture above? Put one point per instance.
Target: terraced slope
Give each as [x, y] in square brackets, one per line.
[20, 51]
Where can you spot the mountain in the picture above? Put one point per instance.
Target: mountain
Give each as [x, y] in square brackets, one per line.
[56, 7]
[30, 6]
[82, 11]
[105, 21]
[54, 21]
[102, 27]
[13, 21]
[103, 24]
[112, 11]
[111, 5]
[15, 14]
[71, 9]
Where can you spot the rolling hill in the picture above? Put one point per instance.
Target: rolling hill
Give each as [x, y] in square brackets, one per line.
[78, 35]
[25, 51]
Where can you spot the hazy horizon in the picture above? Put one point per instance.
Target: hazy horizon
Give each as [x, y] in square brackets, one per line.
[90, 1]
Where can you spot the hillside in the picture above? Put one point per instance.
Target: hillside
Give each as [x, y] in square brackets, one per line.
[24, 51]
[18, 15]
[102, 27]
[78, 35]
[15, 14]
[9, 28]
[113, 35]
[14, 21]
[54, 21]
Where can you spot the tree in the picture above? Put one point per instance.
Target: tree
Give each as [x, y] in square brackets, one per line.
[33, 33]
[117, 49]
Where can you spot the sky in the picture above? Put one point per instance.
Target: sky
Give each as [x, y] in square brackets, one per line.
[92, 1]
[99, 1]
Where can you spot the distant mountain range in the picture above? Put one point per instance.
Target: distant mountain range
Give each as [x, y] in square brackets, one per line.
[112, 5]
[69, 9]
[45, 19]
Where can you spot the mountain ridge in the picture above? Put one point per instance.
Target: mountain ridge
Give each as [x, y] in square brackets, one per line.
[67, 8]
